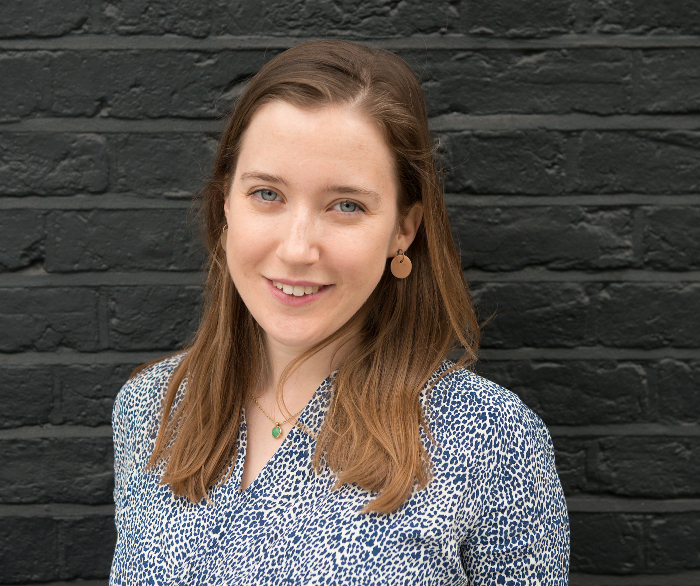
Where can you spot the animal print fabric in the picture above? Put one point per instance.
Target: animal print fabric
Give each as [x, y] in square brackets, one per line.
[493, 514]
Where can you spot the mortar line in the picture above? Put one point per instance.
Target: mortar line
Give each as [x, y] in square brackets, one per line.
[55, 510]
[611, 504]
[55, 432]
[431, 42]
[100, 279]
[487, 355]
[131, 201]
[625, 430]
[71, 357]
[473, 276]
[688, 578]
[441, 124]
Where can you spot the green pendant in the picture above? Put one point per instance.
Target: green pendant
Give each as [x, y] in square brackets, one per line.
[277, 431]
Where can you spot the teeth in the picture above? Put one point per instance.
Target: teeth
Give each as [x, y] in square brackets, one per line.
[296, 290]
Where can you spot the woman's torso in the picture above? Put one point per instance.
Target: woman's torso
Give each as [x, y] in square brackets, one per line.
[290, 527]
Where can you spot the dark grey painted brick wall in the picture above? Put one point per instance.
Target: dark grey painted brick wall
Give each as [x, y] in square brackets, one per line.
[570, 133]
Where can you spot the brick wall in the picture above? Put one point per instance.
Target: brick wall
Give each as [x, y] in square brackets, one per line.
[570, 130]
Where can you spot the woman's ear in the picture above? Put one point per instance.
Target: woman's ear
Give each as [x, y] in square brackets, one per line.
[408, 228]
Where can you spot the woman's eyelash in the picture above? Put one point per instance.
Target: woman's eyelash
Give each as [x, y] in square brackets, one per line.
[262, 192]
[358, 207]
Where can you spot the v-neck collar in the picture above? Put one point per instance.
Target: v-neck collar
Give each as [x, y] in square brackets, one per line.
[303, 433]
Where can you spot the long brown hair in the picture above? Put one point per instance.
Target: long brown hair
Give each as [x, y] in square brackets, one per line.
[371, 434]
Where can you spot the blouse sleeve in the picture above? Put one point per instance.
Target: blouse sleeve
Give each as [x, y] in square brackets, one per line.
[522, 534]
[120, 448]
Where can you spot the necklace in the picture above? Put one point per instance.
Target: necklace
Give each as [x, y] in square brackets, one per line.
[277, 429]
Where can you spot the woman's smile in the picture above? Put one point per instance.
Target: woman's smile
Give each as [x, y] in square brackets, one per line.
[296, 294]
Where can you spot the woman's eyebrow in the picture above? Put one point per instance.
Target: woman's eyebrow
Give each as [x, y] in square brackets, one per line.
[267, 177]
[353, 190]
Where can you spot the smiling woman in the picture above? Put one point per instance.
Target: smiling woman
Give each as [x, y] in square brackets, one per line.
[313, 432]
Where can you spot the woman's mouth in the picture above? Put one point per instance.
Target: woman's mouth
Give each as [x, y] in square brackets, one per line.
[297, 290]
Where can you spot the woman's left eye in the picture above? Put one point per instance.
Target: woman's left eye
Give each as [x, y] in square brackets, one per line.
[348, 207]
[266, 194]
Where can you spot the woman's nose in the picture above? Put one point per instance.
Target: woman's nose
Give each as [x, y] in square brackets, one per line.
[298, 242]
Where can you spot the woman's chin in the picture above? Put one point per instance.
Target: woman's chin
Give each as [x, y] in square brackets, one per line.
[293, 339]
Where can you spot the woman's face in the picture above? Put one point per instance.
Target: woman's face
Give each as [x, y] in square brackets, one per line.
[312, 218]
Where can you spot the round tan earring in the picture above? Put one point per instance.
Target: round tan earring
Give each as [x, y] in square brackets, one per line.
[222, 238]
[401, 265]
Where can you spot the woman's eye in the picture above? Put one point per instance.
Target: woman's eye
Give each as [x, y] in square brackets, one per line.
[266, 194]
[347, 206]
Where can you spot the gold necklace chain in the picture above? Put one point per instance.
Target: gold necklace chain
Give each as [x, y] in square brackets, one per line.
[277, 429]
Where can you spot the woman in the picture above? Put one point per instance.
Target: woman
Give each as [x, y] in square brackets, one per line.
[313, 432]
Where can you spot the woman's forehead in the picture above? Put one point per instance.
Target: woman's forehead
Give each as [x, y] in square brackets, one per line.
[332, 142]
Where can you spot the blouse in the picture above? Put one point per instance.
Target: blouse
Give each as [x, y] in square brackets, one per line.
[493, 512]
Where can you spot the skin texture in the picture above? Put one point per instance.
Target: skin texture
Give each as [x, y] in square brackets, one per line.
[313, 201]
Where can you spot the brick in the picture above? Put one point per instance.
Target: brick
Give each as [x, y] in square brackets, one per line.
[26, 396]
[157, 17]
[512, 238]
[60, 470]
[45, 319]
[145, 84]
[639, 16]
[536, 314]
[55, 548]
[525, 82]
[87, 392]
[560, 314]
[179, 83]
[160, 240]
[153, 318]
[672, 237]
[28, 538]
[76, 394]
[22, 234]
[607, 543]
[529, 18]
[504, 162]
[22, 92]
[645, 467]
[571, 466]
[576, 392]
[52, 164]
[80, 83]
[171, 165]
[635, 161]
[193, 84]
[667, 81]
[164, 83]
[672, 542]
[354, 18]
[277, 17]
[649, 315]
[677, 383]
[88, 546]
[42, 18]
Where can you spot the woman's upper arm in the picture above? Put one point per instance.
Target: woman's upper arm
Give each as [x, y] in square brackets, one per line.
[119, 439]
[522, 534]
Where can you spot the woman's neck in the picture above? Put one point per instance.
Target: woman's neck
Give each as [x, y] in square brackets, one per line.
[305, 378]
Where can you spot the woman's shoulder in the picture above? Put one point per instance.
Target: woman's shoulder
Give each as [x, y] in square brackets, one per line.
[464, 403]
[141, 397]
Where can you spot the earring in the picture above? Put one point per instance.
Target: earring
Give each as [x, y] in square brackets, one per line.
[222, 238]
[401, 265]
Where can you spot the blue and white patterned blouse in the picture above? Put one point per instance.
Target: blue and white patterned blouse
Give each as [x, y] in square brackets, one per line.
[494, 512]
